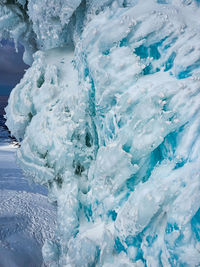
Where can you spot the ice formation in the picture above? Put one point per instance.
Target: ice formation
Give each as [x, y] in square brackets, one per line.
[108, 118]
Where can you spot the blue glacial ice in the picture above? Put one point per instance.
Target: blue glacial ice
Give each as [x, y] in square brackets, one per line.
[108, 117]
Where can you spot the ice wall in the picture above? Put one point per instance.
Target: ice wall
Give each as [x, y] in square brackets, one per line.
[108, 118]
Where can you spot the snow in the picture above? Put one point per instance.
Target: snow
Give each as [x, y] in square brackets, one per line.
[107, 117]
[26, 221]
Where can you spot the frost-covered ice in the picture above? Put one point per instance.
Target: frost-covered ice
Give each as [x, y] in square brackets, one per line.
[108, 118]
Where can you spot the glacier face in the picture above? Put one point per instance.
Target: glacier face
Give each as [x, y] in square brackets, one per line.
[108, 119]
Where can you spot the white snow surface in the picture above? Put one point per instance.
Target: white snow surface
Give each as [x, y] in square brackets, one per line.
[108, 119]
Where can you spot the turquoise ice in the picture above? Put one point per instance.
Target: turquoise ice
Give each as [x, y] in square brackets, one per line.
[108, 117]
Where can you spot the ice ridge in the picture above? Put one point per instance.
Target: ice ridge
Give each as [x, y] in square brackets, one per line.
[108, 119]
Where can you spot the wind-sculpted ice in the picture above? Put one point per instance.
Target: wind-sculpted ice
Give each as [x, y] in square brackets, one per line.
[108, 119]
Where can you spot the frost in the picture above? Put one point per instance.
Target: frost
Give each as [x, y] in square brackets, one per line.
[108, 119]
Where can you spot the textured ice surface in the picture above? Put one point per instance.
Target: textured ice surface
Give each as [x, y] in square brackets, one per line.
[108, 118]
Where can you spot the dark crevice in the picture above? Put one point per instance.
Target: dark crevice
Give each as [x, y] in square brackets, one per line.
[88, 139]
[79, 169]
[59, 181]
[40, 81]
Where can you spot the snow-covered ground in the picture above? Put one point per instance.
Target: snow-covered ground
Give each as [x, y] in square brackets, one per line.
[26, 216]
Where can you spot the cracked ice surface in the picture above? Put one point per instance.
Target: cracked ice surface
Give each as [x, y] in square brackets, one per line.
[108, 118]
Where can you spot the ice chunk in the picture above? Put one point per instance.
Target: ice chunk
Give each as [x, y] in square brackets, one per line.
[108, 118]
